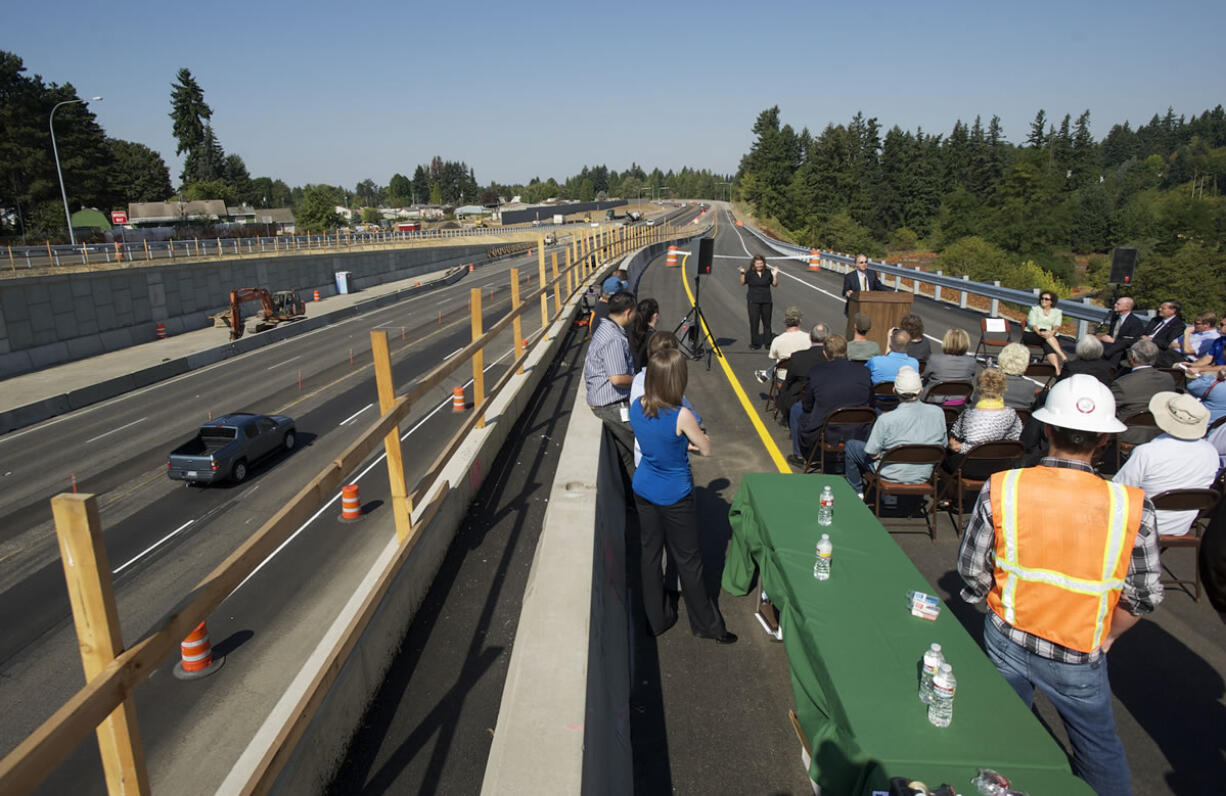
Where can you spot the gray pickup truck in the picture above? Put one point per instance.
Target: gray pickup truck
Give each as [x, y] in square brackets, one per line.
[228, 446]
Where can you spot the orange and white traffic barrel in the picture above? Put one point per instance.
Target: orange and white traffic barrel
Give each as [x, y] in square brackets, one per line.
[161, 330]
[351, 504]
[815, 260]
[196, 653]
[457, 400]
[671, 260]
[317, 295]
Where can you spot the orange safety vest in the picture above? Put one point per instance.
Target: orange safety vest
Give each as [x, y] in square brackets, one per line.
[1064, 539]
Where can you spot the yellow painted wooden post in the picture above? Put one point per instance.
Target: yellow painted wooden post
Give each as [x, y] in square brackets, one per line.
[402, 504]
[85, 253]
[148, 256]
[557, 285]
[570, 275]
[540, 261]
[517, 325]
[92, 595]
[478, 355]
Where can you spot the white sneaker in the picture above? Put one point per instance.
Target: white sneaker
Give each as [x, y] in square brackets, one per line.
[761, 376]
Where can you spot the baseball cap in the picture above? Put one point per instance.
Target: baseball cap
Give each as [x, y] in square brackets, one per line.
[907, 381]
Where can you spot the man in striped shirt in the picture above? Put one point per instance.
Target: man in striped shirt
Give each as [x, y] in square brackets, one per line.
[608, 371]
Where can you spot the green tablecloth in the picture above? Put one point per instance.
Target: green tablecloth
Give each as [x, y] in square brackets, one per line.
[854, 651]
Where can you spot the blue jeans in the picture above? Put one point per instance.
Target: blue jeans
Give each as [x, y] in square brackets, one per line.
[1081, 693]
[857, 460]
[794, 415]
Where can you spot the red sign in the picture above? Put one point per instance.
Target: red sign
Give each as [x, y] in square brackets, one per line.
[119, 217]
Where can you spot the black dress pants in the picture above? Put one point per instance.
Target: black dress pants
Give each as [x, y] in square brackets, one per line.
[759, 317]
[676, 526]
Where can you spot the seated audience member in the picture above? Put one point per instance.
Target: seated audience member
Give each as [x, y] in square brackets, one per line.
[1124, 327]
[658, 341]
[1197, 337]
[912, 423]
[1213, 354]
[801, 363]
[783, 346]
[1088, 359]
[1134, 390]
[1042, 329]
[646, 316]
[859, 347]
[883, 367]
[919, 347]
[1179, 458]
[1019, 390]
[830, 385]
[953, 363]
[988, 420]
[1208, 388]
[1165, 331]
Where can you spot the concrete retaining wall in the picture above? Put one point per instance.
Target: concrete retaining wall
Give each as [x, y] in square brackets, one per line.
[39, 411]
[49, 320]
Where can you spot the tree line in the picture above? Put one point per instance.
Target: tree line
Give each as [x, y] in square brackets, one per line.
[1025, 214]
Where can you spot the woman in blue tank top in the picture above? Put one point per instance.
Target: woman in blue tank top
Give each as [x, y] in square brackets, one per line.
[664, 495]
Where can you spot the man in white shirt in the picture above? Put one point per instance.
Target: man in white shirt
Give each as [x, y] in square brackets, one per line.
[1178, 459]
[782, 347]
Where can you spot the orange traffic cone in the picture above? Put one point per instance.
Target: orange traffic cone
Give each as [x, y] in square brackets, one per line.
[161, 330]
[671, 260]
[470, 268]
[457, 400]
[196, 654]
[351, 504]
[317, 295]
[815, 260]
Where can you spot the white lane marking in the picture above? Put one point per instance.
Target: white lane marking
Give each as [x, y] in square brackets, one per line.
[112, 431]
[358, 477]
[286, 362]
[453, 353]
[152, 547]
[355, 414]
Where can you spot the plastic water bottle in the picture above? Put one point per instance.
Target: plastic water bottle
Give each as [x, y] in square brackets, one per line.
[821, 567]
[825, 508]
[941, 708]
[932, 662]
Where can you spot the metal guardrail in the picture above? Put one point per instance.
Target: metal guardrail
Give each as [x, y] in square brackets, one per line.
[86, 254]
[1083, 311]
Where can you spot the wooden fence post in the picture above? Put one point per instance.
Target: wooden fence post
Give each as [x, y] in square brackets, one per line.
[92, 595]
[478, 355]
[540, 261]
[517, 325]
[402, 504]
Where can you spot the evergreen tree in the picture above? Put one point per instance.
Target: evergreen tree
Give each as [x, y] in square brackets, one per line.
[317, 210]
[1037, 139]
[138, 173]
[190, 116]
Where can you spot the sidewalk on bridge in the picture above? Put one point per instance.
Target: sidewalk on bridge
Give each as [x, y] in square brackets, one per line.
[22, 397]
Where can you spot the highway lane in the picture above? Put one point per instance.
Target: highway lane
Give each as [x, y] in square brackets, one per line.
[37, 650]
[120, 445]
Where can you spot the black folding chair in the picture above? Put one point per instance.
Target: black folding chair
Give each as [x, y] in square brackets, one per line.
[909, 454]
[846, 416]
[1199, 500]
[994, 456]
[991, 342]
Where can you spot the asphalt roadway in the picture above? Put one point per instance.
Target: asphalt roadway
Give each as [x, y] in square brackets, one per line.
[163, 536]
[709, 719]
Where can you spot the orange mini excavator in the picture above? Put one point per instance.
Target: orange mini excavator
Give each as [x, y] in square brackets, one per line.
[280, 307]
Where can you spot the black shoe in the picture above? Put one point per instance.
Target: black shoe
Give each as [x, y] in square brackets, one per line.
[796, 461]
[724, 638]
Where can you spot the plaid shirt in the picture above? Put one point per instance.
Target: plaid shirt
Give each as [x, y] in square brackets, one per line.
[977, 566]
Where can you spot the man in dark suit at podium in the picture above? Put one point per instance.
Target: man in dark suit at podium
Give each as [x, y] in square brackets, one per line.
[860, 279]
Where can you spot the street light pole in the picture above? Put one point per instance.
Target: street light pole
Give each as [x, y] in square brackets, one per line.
[55, 150]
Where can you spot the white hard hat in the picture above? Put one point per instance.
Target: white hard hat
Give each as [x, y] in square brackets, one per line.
[1080, 402]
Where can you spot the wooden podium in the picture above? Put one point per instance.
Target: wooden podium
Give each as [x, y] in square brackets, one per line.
[885, 309]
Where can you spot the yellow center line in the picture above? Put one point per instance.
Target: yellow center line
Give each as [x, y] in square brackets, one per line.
[767, 442]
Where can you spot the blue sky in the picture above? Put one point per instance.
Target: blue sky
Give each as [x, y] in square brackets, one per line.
[337, 92]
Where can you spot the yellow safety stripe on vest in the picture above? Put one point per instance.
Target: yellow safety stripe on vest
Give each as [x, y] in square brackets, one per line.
[1008, 503]
[1112, 550]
